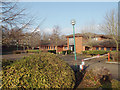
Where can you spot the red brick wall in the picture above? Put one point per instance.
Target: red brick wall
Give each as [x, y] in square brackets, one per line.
[94, 48]
[83, 48]
[99, 38]
[99, 48]
[59, 48]
[68, 43]
[78, 43]
[111, 49]
[105, 48]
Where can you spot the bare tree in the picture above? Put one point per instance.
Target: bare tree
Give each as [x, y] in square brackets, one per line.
[35, 39]
[63, 40]
[13, 16]
[88, 34]
[110, 26]
[45, 38]
[12, 22]
[55, 36]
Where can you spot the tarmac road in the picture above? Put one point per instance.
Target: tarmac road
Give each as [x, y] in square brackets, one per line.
[98, 62]
[94, 63]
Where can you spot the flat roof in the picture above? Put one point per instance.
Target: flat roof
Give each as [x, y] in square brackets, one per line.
[93, 35]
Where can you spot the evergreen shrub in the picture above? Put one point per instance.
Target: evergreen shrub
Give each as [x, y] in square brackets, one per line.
[43, 70]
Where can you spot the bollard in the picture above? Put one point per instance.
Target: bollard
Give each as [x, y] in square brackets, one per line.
[108, 57]
[83, 63]
[98, 55]
[81, 67]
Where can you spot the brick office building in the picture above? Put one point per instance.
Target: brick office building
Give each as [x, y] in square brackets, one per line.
[100, 42]
[58, 48]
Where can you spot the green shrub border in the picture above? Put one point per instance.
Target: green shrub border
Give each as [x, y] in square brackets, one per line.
[68, 52]
[52, 51]
[95, 52]
[41, 70]
[34, 51]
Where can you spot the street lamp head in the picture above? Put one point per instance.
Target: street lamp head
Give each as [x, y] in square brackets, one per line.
[73, 22]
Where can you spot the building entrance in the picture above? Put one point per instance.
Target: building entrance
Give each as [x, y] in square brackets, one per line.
[71, 47]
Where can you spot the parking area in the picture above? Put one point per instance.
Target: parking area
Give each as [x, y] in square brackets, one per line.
[90, 64]
[93, 63]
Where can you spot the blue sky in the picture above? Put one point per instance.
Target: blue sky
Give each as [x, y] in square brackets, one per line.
[61, 13]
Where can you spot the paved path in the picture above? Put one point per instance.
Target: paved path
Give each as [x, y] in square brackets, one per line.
[98, 62]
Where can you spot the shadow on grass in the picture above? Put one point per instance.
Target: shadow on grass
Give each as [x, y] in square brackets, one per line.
[79, 74]
[105, 80]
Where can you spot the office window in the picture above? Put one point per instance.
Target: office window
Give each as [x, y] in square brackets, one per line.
[108, 49]
[113, 49]
[54, 47]
[65, 47]
[49, 47]
[102, 48]
[97, 48]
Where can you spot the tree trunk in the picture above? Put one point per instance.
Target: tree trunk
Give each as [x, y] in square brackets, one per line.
[117, 48]
[56, 49]
[117, 44]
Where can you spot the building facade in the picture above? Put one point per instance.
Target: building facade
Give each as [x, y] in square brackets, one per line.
[58, 48]
[99, 42]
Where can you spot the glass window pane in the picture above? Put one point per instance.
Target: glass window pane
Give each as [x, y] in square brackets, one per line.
[97, 48]
[113, 49]
[108, 49]
[102, 48]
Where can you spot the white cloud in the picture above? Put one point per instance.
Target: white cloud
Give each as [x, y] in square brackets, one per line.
[47, 30]
[32, 29]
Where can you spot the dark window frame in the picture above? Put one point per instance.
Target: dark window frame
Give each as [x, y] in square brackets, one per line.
[97, 48]
[102, 48]
[107, 48]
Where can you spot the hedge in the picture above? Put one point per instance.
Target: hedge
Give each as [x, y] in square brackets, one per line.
[44, 70]
[52, 51]
[33, 51]
[6, 62]
[68, 52]
[95, 52]
[19, 51]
